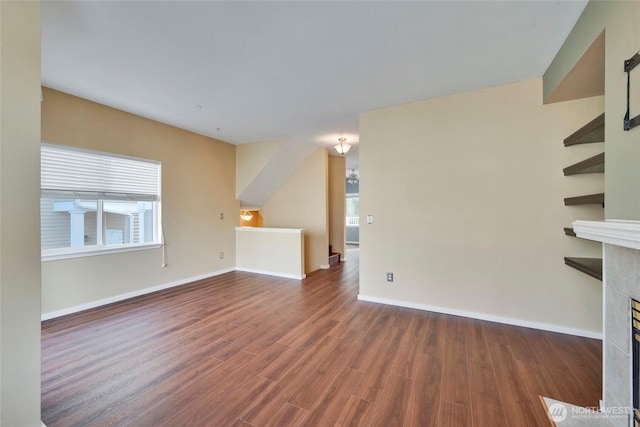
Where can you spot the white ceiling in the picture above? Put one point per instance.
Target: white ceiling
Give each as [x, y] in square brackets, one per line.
[297, 69]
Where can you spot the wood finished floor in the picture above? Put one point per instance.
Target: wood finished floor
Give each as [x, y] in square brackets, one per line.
[249, 350]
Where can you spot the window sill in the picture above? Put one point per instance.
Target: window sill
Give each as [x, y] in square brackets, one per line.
[93, 251]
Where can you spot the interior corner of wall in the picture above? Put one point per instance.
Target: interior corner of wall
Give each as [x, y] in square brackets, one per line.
[576, 52]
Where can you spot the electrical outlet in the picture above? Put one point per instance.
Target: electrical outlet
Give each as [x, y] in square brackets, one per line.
[389, 277]
[221, 215]
[369, 219]
[221, 255]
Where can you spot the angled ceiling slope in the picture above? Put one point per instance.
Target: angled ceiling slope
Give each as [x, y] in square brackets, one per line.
[276, 168]
[251, 159]
[586, 78]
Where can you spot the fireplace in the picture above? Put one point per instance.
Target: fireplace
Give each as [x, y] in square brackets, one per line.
[621, 292]
[635, 361]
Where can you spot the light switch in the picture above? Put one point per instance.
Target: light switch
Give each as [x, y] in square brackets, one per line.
[369, 219]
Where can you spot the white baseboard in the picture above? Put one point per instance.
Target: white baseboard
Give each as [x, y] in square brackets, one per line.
[273, 273]
[121, 297]
[325, 266]
[487, 317]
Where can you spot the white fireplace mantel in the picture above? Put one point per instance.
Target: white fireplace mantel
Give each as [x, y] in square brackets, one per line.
[620, 259]
[613, 232]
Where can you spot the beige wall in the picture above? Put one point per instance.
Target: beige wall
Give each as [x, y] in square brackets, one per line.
[198, 184]
[483, 170]
[302, 203]
[251, 160]
[621, 22]
[337, 202]
[278, 252]
[19, 213]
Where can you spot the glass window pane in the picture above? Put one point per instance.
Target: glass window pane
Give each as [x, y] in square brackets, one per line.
[66, 223]
[127, 222]
[353, 206]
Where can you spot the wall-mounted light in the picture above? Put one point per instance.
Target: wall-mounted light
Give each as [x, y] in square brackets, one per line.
[342, 148]
[246, 216]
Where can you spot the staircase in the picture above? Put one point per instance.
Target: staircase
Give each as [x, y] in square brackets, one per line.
[334, 257]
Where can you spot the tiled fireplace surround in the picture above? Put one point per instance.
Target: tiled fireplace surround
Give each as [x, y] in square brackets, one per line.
[621, 281]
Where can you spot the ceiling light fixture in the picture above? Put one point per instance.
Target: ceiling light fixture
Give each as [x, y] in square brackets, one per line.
[353, 177]
[246, 215]
[342, 148]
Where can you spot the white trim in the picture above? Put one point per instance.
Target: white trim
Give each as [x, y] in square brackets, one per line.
[613, 232]
[325, 266]
[273, 273]
[487, 317]
[121, 297]
[42, 424]
[97, 250]
[271, 230]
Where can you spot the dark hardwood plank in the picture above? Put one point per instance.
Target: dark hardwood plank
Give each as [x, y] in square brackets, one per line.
[456, 387]
[394, 402]
[477, 349]
[520, 346]
[435, 341]
[452, 415]
[409, 351]
[206, 386]
[374, 338]
[357, 412]
[217, 409]
[516, 397]
[294, 378]
[486, 401]
[424, 404]
[331, 404]
[325, 371]
[378, 372]
[245, 350]
[288, 415]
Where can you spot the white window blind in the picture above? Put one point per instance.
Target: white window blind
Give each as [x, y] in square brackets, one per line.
[77, 173]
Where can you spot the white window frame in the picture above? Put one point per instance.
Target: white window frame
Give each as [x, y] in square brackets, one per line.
[100, 248]
[353, 218]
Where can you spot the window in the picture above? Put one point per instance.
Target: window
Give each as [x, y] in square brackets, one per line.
[93, 202]
[353, 210]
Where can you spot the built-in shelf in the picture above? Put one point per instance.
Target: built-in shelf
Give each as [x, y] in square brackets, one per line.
[585, 200]
[590, 133]
[593, 164]
[590, 266]
[587, 134]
